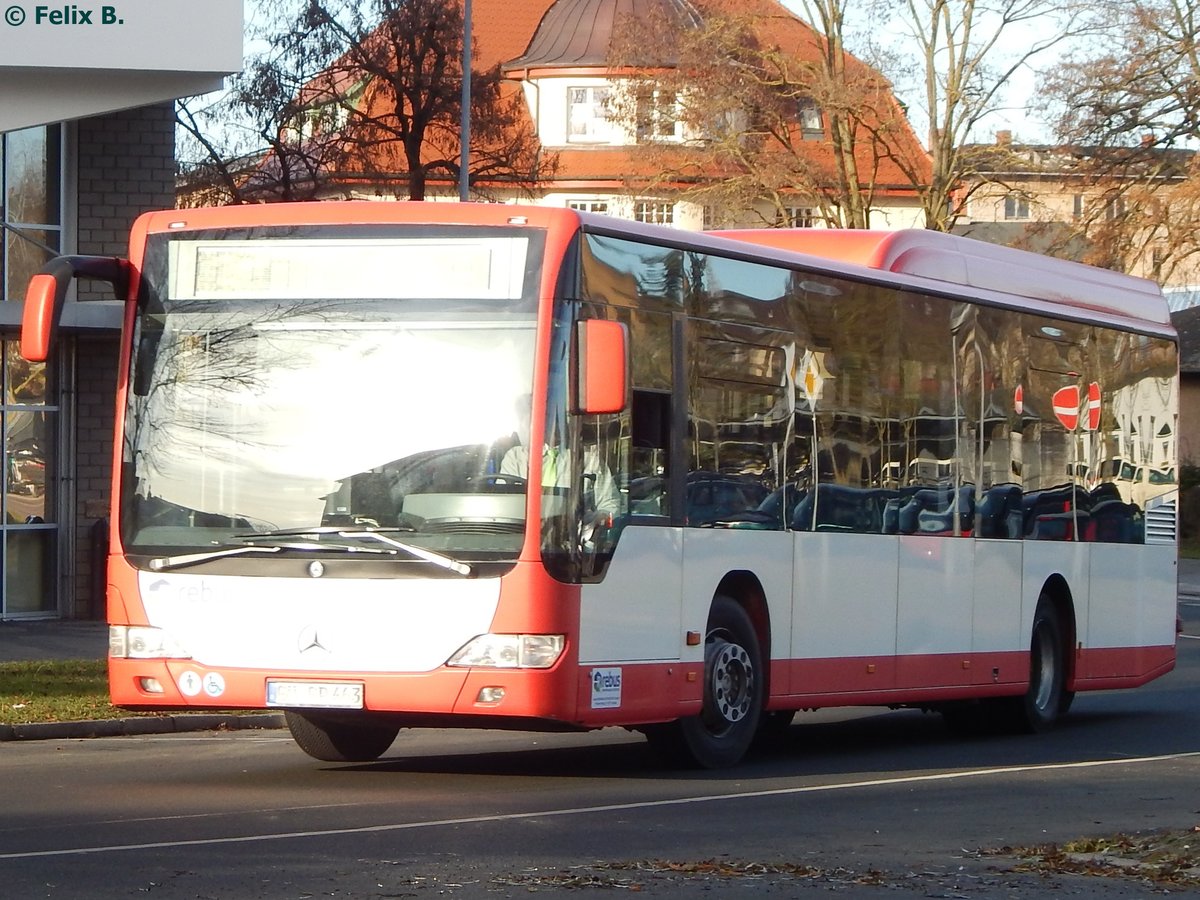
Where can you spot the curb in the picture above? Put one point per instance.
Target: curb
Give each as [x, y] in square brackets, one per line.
[138, 725]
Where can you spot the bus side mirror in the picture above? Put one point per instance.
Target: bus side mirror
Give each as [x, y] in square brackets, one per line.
[38, 317]
[602, 367]
[48, 289]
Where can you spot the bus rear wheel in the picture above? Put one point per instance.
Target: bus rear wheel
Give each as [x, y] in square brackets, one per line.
[339, 740]
[733, 694]
[1047, 698]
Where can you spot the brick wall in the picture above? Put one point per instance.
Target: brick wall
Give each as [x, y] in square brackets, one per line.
[126, 167]
[95, 392]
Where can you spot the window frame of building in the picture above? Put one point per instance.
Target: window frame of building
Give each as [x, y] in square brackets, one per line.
[591, 205]
[1016, 207]
[654, 212]
[588, 121]
[34, 229]
[1158, 258]
[23, 235]
[658, 116]
[810, 119]
[797, 217]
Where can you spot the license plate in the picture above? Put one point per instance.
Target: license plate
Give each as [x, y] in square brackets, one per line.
[327, 694]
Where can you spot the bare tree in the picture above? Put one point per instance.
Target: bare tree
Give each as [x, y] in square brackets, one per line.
[752, 110]
[966, 51]
[1130, 108]
[363, 93]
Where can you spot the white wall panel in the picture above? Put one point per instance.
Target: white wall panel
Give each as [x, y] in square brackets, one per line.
[634, 614]
[711, 553]
[845, 587]
[1133, 597]
[936, 595]
[997, 619]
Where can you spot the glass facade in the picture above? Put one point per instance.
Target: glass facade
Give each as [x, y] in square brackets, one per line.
[31, 214]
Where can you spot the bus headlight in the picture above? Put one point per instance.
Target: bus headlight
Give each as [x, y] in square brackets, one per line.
[142, 642]
[510, 651]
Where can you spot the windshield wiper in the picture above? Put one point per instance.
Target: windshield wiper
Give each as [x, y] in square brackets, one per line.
[375, 534]
[438, 559]
[188, 559]
[174, 562]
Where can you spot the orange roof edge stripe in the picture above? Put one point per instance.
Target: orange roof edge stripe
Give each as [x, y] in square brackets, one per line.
[978, 264]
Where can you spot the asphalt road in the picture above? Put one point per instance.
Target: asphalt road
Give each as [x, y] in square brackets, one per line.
[865, 803]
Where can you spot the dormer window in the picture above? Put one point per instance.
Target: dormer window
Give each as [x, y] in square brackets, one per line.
[587, 115]
[808, 114]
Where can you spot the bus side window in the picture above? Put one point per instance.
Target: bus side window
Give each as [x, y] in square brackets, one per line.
[648, 470]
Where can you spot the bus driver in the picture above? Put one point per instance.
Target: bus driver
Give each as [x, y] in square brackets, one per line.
[602, 498]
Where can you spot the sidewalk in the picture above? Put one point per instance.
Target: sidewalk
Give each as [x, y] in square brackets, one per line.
[54, 639]
[1189, 579]
[30, 641]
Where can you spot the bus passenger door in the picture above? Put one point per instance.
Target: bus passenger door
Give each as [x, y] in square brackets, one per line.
[634, 613]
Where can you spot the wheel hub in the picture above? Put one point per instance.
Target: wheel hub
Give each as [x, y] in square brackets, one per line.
[732, 680]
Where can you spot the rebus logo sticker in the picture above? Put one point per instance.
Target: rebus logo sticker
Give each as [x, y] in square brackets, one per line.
[606, 688]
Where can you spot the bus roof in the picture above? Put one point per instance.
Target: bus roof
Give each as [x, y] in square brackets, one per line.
[977, 264]
[1077, 290]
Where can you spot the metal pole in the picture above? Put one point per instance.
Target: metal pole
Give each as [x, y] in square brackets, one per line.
[464, 155]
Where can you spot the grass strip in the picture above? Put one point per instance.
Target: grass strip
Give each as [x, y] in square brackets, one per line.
[74, 690]
[55, 691]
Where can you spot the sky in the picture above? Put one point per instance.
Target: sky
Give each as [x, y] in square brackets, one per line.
[1018, 93]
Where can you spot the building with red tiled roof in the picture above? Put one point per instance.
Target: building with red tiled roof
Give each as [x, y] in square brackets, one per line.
[558, 55]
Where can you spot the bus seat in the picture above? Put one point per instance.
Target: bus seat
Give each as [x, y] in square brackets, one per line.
[999, 512]
[891, 514]
[1114, 522]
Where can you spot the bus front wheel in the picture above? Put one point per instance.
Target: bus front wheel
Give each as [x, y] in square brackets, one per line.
[339, 740]
[733, 694]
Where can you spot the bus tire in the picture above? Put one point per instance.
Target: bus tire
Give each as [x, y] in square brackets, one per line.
[733, 695]
[1047, 697]
[774, 727]
[339, 740]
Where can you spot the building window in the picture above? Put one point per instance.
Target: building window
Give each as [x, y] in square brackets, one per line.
[654, 212]
[1158, 258]
[1114, 207]
[1016, 206]
[28, 434]
[592, 206]
[812, 127]
[30, 197]
[1077, 207]
[587, 115]
[797, 217]
[31, 233]
[657, 116]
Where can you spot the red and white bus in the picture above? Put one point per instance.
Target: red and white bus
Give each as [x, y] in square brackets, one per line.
[778, 471]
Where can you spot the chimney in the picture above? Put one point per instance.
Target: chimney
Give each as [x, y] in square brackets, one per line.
[1004, 138]
[1148, 139]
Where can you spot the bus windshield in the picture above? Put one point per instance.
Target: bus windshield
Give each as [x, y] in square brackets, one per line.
[262, 411]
